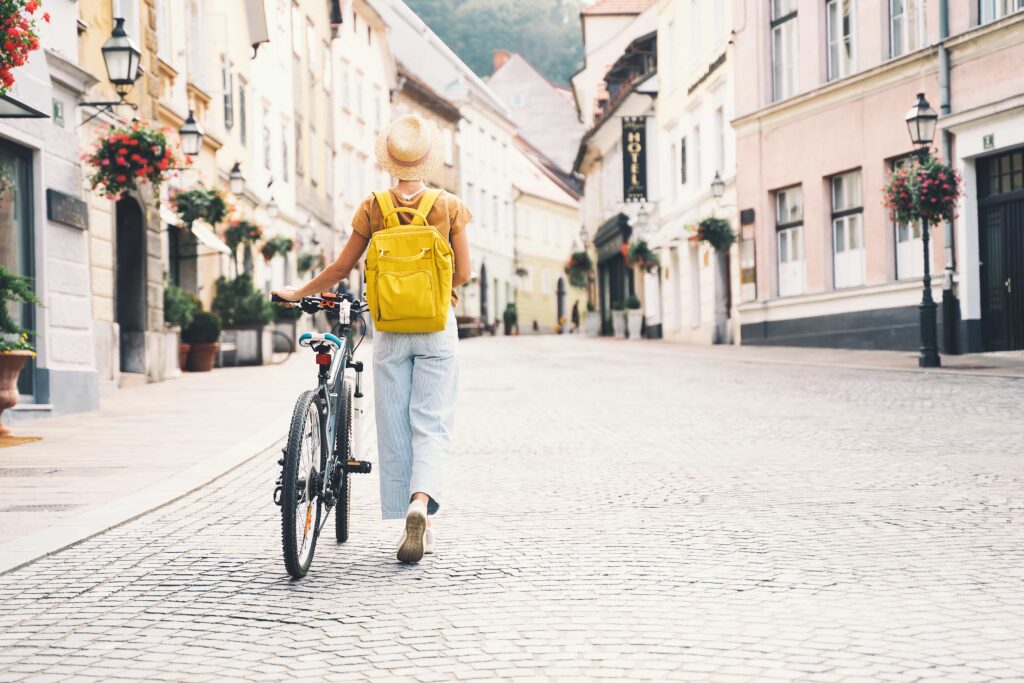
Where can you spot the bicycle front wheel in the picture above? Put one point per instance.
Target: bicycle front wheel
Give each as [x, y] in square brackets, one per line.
[305, 458]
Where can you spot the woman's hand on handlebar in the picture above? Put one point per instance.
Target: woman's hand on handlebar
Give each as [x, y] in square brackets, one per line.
[284, 297]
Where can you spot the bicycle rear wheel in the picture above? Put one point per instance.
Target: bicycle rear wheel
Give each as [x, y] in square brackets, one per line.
[344, 505]
[305, 458]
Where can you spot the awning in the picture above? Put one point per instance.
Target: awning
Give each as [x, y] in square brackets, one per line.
[31, 96]
[208, 238]
[167, 216]
[616, 226]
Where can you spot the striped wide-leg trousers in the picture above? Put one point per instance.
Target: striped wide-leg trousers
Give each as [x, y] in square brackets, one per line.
[415, 387]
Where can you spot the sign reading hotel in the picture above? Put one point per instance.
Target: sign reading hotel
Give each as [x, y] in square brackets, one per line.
[634, 158]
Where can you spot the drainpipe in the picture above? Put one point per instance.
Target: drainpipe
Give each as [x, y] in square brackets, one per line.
[950, 304]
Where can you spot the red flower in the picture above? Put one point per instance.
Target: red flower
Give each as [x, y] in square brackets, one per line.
[122, 151]
[121, 178]
[121, 161]
[46, 17]
[163, 164]
[32, 6]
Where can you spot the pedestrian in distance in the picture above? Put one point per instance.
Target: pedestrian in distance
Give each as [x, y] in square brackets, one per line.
[576, 316]
[419, 256]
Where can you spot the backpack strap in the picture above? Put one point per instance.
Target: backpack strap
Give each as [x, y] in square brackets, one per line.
[387, 208]
[427, 203]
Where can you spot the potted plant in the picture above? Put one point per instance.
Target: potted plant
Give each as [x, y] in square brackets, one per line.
[20, 35]
[276, 246]
[714, 232]
[203, 336]
[618, 320]
[641, 256]
[199, 203]
[241, 232]
[180, 308]
[128, 154]
[592, 324]
[245, 312]
[926, 191]
[511, 318]
[634, 317]
[578, 268]
[15, 347]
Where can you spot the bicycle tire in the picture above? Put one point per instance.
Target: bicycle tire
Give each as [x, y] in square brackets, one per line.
[296, 485]
[343, 507]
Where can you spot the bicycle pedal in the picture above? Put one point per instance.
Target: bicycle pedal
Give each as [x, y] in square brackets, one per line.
[359, 466]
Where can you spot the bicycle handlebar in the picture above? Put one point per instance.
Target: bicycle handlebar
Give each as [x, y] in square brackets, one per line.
[325, 301]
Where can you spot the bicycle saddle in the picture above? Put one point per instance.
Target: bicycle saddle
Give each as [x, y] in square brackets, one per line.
[310, 339]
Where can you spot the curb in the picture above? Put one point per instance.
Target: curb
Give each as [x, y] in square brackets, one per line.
[20, 552]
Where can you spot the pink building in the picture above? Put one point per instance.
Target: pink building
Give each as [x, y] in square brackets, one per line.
[822, 88]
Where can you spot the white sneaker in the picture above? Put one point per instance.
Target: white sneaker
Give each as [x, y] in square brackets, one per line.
[411, 545]
[428, 542]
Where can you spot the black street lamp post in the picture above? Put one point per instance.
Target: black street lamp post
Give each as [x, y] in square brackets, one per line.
[921, 120]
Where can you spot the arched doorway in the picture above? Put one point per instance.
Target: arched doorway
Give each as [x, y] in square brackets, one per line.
[130, 285]
[484, 309]
[560, 297]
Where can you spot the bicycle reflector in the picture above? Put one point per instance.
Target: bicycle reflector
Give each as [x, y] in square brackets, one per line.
[323, 359]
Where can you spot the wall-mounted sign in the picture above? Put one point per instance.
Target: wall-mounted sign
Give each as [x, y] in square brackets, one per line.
[988, 141]
[63, 208]
[634, 158]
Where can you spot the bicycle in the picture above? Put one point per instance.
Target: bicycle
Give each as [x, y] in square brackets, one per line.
[315, 476]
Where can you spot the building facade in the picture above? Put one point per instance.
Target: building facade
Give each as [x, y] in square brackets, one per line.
[819, 125]
[413, 96]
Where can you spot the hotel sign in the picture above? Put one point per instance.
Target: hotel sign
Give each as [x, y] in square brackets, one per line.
[63, 208]
[634, 158]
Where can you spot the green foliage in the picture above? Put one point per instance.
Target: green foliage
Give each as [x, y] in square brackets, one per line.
[632, 302]
[241, 232]
[275, 246]
[928, 191]
[578, 268]
[309, 261]
[546, 33]
[238, 303]
[716, 232]
[180, 307]
[199, 203]
[511, 315]
[18, 289]
[204, 329]
[591, 307]
[128, 154]
[641, 256]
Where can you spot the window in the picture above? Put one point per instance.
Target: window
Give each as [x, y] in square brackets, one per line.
[242, 132]
[694, 31]
[839, 19]
[847, 230]
[909, 245]
[129, 11]
[357, 99]
[517, 100]
[311, 44]
[163, 31]
[789, 226]
[196, 45]
[906, 26]
[697, 175]
[682, 161]
[343, 96]
[227, 82]
[266, 139]
[297, 25]
[990, 10]
[299, 170]
[327, 76]
[284, 153]
[785, 54]
[449, 146]
[720, 140]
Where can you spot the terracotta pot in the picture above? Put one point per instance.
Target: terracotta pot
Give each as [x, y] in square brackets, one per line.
[201, 357]
[183, 355]
[10, 366]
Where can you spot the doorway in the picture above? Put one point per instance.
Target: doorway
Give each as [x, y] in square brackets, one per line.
[1001, 241]
[560, 292]
[16, 242]
[130, 285]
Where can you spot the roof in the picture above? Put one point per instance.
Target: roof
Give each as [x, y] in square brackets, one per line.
[440, 104]
[617, 7]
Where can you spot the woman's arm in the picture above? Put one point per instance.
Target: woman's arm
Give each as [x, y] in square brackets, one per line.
[460, 246]
[332, 274]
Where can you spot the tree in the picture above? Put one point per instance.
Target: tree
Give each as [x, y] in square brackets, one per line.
[545, 32]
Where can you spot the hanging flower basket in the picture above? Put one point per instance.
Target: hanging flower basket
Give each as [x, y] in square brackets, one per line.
[276, 246]
[715, 232]
[128, 154]
[199, 203]
[309, 261]
[20, 35]
[241, 232]
[641, 256]
[578, 268]
[928, 191]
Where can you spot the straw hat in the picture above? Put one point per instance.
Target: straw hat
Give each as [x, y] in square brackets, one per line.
[410, 148]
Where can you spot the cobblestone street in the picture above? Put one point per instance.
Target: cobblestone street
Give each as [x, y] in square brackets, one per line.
[613, 510]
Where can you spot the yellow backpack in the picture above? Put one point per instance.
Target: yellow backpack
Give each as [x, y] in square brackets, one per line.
[409, 270]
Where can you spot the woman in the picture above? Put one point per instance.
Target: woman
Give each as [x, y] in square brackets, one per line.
[415, 376]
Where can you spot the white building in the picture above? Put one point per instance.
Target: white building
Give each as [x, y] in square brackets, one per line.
[694, 108]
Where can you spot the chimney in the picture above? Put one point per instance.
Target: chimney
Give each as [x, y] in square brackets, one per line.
[500, 57]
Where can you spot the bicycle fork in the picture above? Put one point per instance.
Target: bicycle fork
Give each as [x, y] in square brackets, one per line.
[356, 464]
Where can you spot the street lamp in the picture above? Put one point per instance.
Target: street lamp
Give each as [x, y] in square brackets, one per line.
[717, 186]
[191, 135]
[236, 181]
[921, 120]
[122, 58]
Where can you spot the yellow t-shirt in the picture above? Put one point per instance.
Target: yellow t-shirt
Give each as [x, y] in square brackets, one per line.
[449, 216]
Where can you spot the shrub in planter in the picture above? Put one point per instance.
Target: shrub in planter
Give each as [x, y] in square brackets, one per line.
[199, 203]
[180, 308]
[238, 303]
[715, 232]
[510, 317]
[641, 256]
[632, 302]
[128, 154]
[203, 337]
[578, 268]
[15, 346]
[20, 34]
